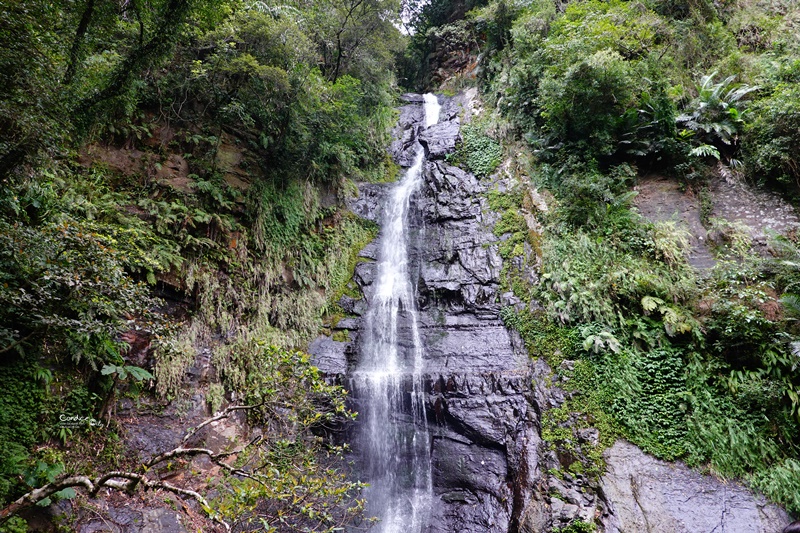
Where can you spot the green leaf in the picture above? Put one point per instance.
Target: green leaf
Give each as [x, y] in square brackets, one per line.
[66, 494]
[110, 369]
[705, 150]
[139, 373]
[650, 303]
[44, 503]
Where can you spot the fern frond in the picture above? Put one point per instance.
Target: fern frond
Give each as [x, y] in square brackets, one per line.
[791, 303]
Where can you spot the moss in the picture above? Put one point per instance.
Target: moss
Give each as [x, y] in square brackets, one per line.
[341, 335]
[577, 526]
[501, 201]
[542, 337]
[585, 406]
[343, 256]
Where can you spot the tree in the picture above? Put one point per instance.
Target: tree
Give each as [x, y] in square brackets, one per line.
[356, 36]
[52, 90]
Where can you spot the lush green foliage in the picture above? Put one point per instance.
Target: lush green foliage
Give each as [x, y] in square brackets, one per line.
[610, 81]
[576, 527]
[20, 405]
[477, 151]
[66, 281]
[771, 140]
[713, 114]
[595, 54]
[200, 150]
[301, 483]
[652, 361]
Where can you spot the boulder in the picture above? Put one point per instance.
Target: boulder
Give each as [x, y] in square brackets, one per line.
[647, 494]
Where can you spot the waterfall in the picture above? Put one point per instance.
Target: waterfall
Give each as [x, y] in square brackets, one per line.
[393, 440]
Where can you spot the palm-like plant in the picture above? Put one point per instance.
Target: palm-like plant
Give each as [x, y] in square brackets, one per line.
[714, 115]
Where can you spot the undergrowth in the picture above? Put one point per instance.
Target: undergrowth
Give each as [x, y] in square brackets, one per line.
[686, 368]
[701, 369]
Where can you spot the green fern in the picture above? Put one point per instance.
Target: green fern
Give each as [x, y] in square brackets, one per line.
[713, 115]
[791, 304]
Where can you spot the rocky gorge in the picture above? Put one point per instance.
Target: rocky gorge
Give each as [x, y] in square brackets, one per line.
[484, 396]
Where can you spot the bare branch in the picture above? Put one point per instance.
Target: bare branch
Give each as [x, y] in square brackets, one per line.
[37, 495]
[106, 481]
[219, 416]
[133, 480]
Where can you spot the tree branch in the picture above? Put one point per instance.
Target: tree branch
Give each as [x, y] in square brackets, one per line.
[219, 416]
[17, 343]
[75, 51]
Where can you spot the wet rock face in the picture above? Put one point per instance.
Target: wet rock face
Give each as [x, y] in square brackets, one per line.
[482, 420]
[439, 140]
[369, 202]
[481, 412]
[651, 495]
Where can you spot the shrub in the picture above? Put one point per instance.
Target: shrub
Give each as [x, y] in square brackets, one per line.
[591, 199]
[716, 115]
[66, 280]
[583, 81]
[478, 152]
[605, 85]
[588, 279]
[771, 142]
[647, 395]
[780, 482]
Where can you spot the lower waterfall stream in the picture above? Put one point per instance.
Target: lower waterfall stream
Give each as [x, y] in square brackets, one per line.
[395, 445]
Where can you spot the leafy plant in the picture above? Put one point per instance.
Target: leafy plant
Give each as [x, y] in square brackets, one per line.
[66, 279]
[477, 151]
[578, 287]
[716, 114]
[123, 372]
[770, 141]
[703, 368]
[577, 526]
[647, 391]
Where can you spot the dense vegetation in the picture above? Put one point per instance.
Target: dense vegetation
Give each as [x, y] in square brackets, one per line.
[588, 96]
[171, 178]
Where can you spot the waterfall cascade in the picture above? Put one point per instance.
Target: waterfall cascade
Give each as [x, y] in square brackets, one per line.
[393, 439]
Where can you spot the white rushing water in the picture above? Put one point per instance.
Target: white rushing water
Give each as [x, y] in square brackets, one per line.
[393, 441]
